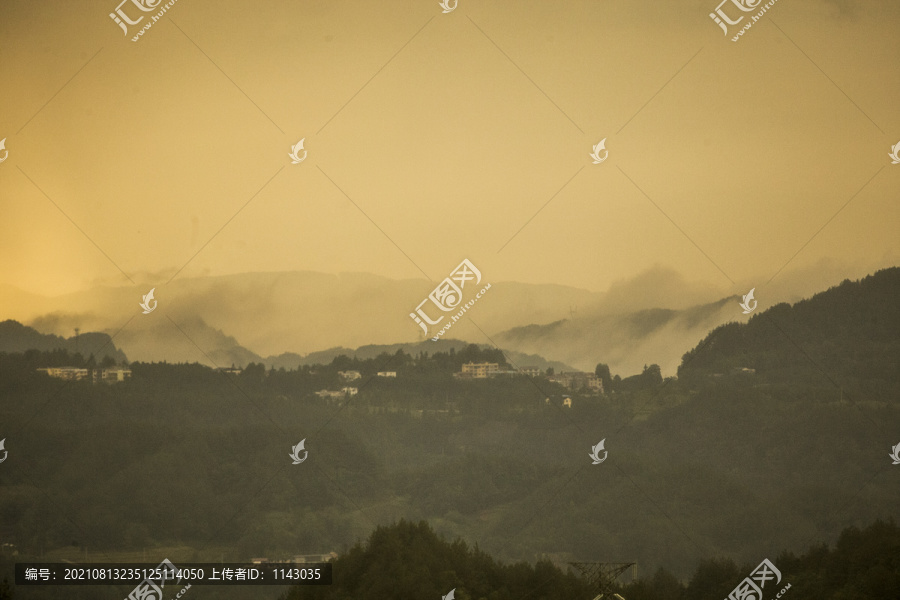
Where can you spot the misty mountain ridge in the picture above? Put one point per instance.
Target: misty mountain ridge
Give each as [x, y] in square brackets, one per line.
[271, 313]
[626, 341]
[15, 337]
[266, 317]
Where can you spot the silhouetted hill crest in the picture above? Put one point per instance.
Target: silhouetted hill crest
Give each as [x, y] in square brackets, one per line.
[16, 337]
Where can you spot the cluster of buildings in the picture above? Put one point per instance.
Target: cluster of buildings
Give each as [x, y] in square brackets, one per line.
[341, 393]
[350, 391]
[354, 375]
[571, 380]
[300, 559]
[577, 380]
[110, 375]
[566, 401]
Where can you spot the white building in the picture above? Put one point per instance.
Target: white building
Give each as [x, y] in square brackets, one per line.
[345, 391]
[387, 373]
[576, 380]
[68, 373]
[112, 375]
[479, 370]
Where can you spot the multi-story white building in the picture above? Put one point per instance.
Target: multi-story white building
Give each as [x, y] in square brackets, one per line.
[480, 370]
[531, 371]
[111, 375]
[68, 373]
[575, 380]
[75, 374]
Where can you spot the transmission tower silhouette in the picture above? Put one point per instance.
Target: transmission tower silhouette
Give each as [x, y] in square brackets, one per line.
[603, 575]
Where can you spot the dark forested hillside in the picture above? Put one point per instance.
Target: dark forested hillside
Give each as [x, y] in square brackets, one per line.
[407, 561]
[15, 337]
[848, 334]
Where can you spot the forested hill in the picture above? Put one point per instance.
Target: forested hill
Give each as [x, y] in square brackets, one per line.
[409, 561]
[15, 337]
[848, 334]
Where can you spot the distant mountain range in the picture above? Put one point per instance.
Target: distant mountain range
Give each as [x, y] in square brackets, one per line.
[241, 318]
[285, 319]
[15, 337]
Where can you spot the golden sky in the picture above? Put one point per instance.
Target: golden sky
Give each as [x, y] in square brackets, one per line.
[435, 137]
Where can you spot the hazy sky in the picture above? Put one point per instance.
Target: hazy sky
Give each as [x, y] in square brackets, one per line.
[448, 133]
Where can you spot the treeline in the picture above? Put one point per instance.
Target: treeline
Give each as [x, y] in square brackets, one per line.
[425, 381]
[408, 561]
[22, 363]
[862, 565]
[651, 377]
[438, 362]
